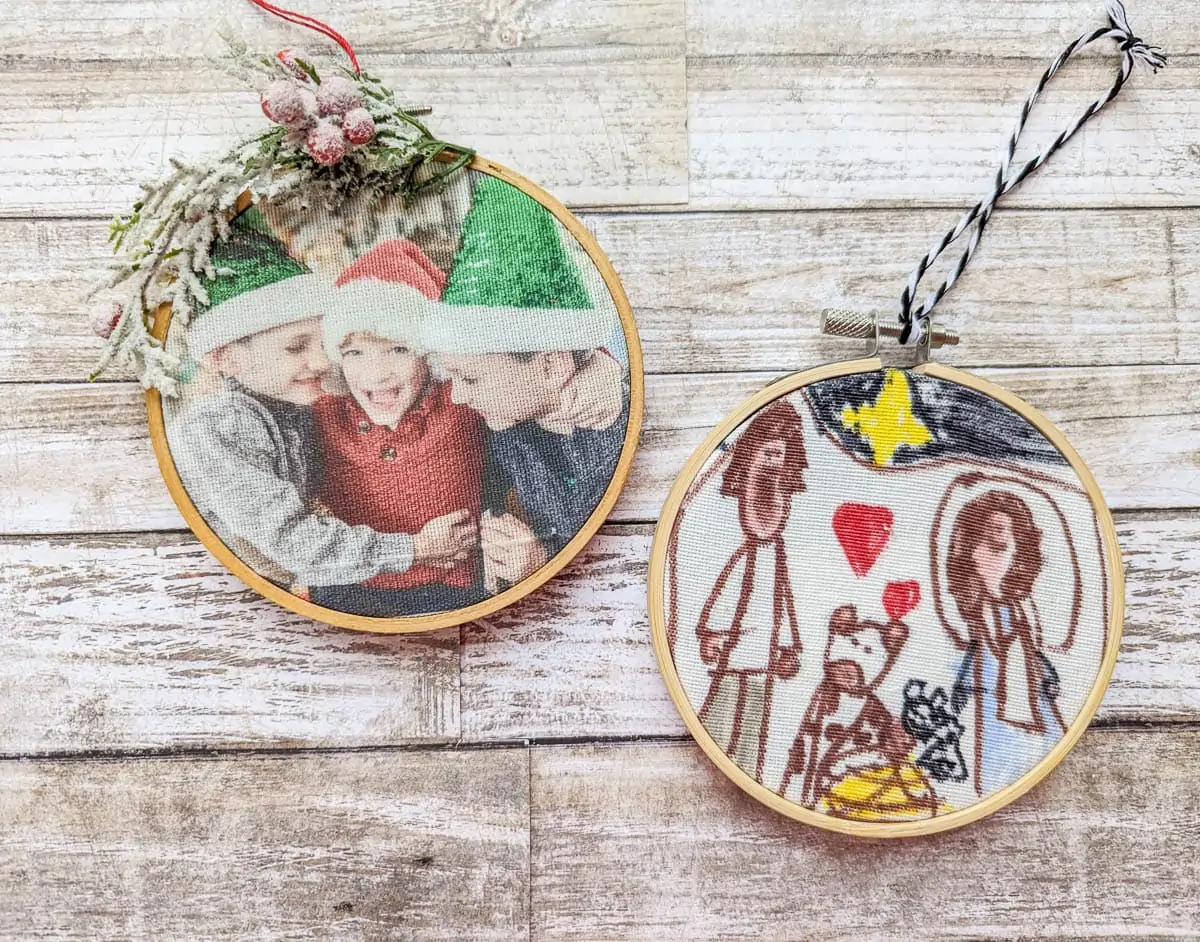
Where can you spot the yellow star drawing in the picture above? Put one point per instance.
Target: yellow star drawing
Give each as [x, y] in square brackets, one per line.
[889, 422]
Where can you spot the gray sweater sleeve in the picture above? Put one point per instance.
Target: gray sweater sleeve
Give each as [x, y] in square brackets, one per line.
[226, 457]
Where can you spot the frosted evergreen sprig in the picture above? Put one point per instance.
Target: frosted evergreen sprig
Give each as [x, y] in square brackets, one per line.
[332, 140]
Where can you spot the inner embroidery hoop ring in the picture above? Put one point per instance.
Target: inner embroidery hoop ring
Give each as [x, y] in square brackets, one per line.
[942, 822]
[431, 622]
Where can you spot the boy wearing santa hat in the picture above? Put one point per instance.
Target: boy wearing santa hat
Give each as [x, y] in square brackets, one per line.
[248, 454]
[521, 333]
[399, 452]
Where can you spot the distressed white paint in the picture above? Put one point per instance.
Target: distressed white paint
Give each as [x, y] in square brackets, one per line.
[77, 458]
[743, 291]
[136, 640]
[144, 642]
[186, 29]
[963, 30]
[651, 842]
[787, 132]
[315, 847]
[147, 642]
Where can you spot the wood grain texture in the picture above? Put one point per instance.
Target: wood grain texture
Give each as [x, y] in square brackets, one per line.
[743, 291]
[146, 642]
[110, 644]
[779, 132]
[1136, 427]
[1033, 29]
[606, 127]
[574, 660]
[1052, 287]
[968, 29]
[603, 126]
[186, 29]
[846, 122]
[1099, 851]
[406, 846]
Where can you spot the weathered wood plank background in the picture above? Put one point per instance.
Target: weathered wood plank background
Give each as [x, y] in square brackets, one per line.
[180, 760]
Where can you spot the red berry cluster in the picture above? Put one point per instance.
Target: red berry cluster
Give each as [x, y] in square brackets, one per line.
[103, 317]
[327, 118]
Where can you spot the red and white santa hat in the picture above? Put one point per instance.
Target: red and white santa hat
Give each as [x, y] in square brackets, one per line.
[387, 292]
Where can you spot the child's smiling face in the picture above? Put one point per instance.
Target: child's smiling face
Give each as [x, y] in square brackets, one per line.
[285, 363]
[385, 377]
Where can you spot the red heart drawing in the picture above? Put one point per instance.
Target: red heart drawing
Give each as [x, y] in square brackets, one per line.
[863, 530]
[900, 598]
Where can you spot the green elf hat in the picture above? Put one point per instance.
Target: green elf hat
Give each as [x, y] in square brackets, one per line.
[520, 283]
[259, 286]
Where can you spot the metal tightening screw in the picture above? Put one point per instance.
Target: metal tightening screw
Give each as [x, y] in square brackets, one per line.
[858, 326]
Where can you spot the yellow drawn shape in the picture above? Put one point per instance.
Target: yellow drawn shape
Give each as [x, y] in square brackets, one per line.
[889, 422]
[883, 793]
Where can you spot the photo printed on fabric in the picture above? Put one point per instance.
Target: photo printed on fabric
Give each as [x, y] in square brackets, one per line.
[886, 596]
[395, 410]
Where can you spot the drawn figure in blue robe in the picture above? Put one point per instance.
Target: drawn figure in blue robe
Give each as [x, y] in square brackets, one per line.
[1005, 678]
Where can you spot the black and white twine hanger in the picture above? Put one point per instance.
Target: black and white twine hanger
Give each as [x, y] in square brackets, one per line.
[914, 317]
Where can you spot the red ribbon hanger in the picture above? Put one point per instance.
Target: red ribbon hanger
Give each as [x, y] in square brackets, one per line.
[315, 25]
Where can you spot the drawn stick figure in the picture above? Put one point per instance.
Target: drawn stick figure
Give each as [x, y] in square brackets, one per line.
[742, 622]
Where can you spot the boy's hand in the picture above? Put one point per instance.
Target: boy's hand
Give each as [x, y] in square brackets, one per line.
[511, 551]
[445, 541]
[318, 508]
[593, 399]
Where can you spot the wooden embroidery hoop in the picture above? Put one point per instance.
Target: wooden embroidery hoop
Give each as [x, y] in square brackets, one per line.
[431, 622]
[666, 663]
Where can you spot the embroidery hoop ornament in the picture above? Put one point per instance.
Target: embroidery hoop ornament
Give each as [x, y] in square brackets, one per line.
[917, 336]
[139, 342]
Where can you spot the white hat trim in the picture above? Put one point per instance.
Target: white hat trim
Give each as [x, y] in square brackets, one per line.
[471, 330]
[370, 306]
[282, 302]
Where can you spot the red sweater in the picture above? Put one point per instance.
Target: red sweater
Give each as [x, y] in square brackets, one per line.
[396, 481]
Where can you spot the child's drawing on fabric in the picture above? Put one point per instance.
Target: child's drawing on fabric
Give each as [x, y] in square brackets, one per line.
[923, 580]
[988, 554]
[851, 755]
[395, 410]
[747, 627]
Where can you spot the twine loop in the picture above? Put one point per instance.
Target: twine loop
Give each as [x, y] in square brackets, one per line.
[914, 318]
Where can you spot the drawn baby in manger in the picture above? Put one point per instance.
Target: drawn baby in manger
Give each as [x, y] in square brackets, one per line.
[851, 757]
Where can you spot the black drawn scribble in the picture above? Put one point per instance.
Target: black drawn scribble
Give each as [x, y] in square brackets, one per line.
[963, 421]
[1051, 685]
[928, 718]
[964, 689]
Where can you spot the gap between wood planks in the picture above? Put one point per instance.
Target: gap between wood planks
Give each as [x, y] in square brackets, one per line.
[599, 52]
[767, 376]
[627, 526]
[1085, 289]
[235, 753]
[659, 210]
[931, 57]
